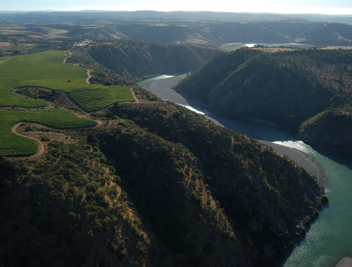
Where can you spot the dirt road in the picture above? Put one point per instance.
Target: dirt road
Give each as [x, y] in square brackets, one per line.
[41, 147]
[134, 96]
[67, 57]
[88, 73]
[4, 60]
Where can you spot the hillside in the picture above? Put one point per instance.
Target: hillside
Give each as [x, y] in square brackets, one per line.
[136, 60]
[155, 186]
[285, 87]
[331, 128]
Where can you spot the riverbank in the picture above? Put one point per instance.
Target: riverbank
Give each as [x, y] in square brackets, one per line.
[164, 89]
[345, 262]
[304, 160]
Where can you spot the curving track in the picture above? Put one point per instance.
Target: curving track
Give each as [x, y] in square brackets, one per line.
[41, 147]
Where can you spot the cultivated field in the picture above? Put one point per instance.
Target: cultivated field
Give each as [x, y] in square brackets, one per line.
[47, 70]
[102, 96]
[14, 145]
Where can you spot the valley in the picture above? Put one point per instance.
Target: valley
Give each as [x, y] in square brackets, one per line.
[288, 88]
[95, 170]
[316, 247]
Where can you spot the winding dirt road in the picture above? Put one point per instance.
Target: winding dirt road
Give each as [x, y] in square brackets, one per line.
[70, 53]
[41, 147]
[88, 73]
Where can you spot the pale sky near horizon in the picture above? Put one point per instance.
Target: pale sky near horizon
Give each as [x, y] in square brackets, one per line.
[341, 7]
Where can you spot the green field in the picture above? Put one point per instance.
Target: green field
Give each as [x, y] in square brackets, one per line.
[102, 97]
[47, 70]
[14, 145]
[9, 98]
[3, 58]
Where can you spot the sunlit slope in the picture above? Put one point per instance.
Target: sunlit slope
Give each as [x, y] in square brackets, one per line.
[48, 70]
[14, 145]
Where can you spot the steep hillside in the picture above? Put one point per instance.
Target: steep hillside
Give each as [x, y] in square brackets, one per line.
[156, 186]
[106, 33]
[330, 128]
[135, 60]
[326, 33]
[166, 34]
[285, 87]
[288, 27]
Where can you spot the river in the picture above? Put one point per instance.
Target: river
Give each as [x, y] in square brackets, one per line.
[330, 237]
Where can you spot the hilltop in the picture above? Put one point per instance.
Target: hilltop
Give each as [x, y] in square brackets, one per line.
[287, 87]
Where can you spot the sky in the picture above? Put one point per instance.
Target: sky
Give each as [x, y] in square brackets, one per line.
[340, 7]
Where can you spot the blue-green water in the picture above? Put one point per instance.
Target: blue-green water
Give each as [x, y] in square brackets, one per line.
[330, 236]
[161, 77]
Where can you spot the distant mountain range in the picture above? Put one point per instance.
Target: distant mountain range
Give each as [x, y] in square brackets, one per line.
[218, 33]
[185, 28]
[75, 16]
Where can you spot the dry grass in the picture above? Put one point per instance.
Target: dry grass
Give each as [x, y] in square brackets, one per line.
[274, 49]
[337, 47]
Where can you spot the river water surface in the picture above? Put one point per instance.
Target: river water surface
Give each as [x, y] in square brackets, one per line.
[330, 236]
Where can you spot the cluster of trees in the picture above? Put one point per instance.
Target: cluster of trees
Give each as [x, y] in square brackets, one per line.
[74, 199]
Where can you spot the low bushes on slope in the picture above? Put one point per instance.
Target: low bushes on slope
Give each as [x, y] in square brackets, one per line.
[71, 211]
[253, 183]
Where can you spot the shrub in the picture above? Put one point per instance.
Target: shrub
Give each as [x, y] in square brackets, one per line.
[226, 234]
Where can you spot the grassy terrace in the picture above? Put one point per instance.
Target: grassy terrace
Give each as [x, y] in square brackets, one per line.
[14, 145]
[47, 70]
